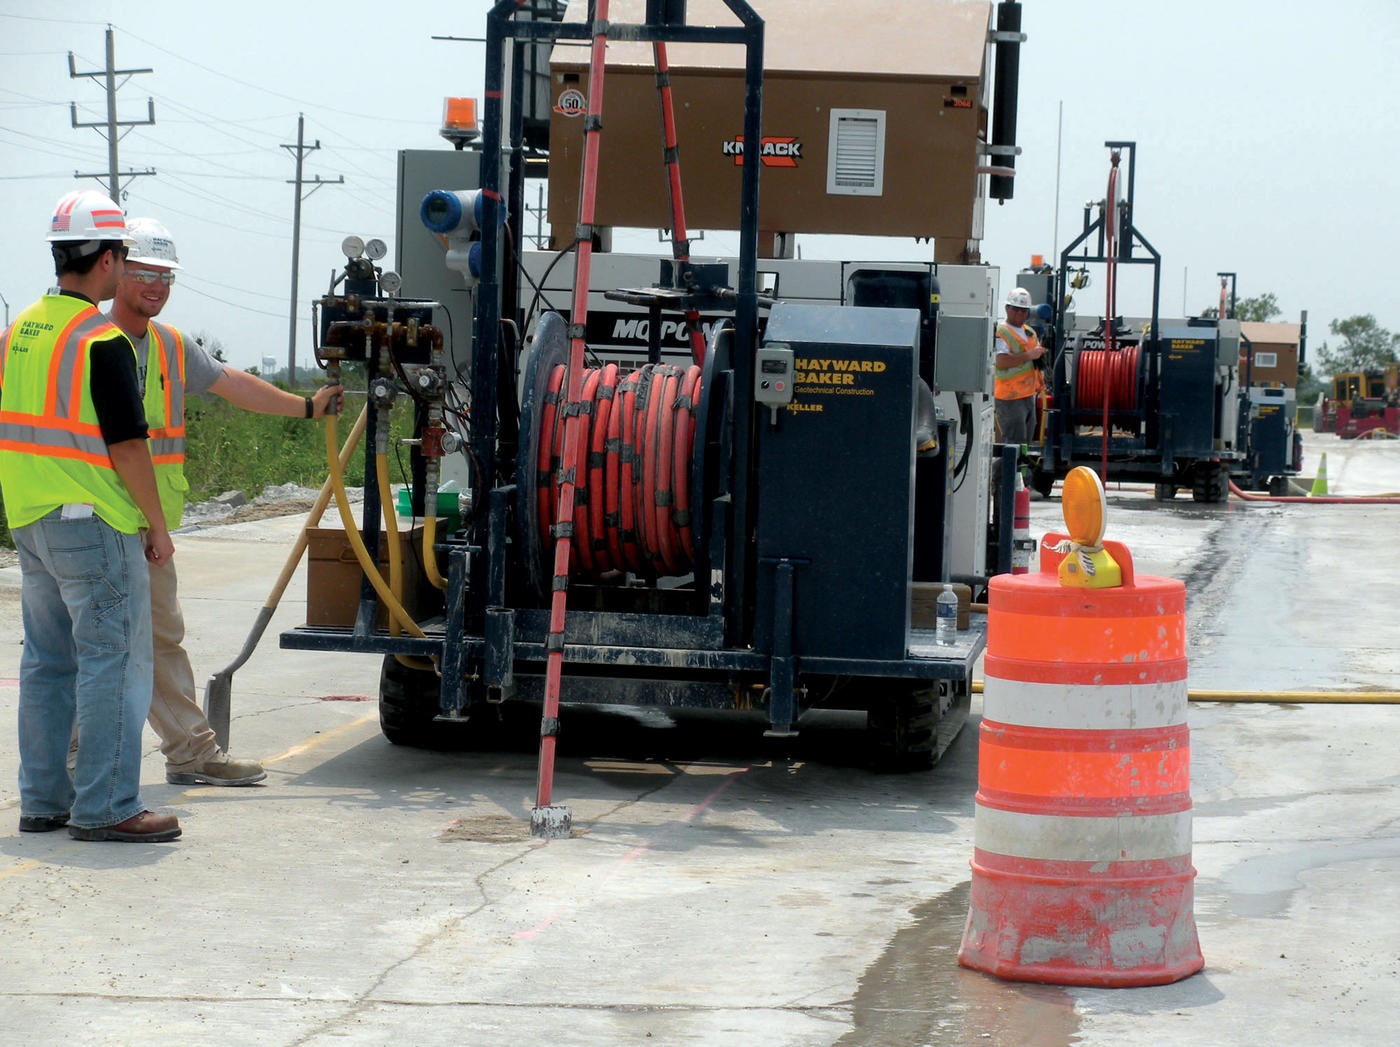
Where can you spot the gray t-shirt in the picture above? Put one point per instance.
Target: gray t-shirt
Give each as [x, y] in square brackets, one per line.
[201, 369]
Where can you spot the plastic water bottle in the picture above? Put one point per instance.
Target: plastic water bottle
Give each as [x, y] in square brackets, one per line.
[946, 623]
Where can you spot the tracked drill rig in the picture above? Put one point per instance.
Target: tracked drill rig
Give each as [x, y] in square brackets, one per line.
[718, 482]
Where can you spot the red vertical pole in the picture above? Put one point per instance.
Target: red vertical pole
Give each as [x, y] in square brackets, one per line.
[564, 518]
[1111, 219]
[680, 242]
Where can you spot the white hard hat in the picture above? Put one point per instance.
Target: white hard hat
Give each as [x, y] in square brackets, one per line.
[87, 215]
[1019, 297]
[152, 244]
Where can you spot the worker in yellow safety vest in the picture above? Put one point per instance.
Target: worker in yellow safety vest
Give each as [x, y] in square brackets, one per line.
[80, 496]
[1017, 378]
[171, 366]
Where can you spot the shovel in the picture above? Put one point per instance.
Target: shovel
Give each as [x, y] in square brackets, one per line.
[218, 693]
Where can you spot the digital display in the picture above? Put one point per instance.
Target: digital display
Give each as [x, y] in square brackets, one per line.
[773, 366]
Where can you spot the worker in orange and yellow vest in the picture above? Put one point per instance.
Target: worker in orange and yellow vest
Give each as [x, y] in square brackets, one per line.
[172, 367]
[1017, 377]
[81, 500]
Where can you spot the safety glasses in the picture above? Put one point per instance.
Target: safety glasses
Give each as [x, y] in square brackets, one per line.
[145, 276]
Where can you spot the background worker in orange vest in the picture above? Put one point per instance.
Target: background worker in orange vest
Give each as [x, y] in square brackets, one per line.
[80, 496]
[1017, 379]
[170, 367]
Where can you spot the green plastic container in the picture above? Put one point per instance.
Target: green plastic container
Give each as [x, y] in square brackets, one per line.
[446, 505]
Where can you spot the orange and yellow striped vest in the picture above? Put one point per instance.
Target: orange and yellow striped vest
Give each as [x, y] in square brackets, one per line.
[51, 447]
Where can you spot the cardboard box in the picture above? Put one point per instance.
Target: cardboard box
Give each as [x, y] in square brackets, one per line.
[333, 578]
[923, 604]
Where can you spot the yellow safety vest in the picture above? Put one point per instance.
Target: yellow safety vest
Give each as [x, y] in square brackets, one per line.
[1016, 383]
[51, 447]
[165, 415]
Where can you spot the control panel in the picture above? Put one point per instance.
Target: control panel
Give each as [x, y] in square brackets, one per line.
[773, 376]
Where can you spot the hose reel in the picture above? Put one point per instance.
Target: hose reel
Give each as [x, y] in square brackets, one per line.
[1095, 369]
[641, 475]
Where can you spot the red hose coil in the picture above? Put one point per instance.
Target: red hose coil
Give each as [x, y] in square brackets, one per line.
[632, 497]
[1106, 380]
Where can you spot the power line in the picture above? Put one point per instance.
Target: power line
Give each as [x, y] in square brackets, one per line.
[53, 21]
[237, 305]
[260, 87]
[185, 279]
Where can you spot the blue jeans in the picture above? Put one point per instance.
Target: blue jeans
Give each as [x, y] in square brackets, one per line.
[86, 607]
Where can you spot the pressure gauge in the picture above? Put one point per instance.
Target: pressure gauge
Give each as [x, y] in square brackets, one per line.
[390, 282]
[352, 247]
[376, 249]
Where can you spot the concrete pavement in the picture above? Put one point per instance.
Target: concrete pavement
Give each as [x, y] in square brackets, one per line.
[718, 889]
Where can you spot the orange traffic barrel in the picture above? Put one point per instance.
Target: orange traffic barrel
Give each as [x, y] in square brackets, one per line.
[1081, 869]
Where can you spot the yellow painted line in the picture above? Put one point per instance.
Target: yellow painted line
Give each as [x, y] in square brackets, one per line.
[318, 740]
[21, 867]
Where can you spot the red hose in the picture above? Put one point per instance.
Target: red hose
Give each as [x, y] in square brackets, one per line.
[632, 470]
[547, 458]
[1111, 292]
[1110, 379]
[582, 532]
[626, 488]
[663, 496]
[603, 415]
[612, 470]
[1322, 499]
[684, 440]
[680, 244]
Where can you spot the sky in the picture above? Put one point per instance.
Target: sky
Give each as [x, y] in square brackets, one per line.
[1264, 130]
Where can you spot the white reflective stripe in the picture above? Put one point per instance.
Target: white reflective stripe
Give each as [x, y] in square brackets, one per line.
[37, 436]
[1063, 838]
[1084, 707]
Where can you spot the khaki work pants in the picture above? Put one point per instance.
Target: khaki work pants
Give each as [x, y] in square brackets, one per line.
[176, 717]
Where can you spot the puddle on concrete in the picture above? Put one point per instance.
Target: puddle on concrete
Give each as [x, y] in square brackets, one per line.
[916, 995]
[1240, 640]
[1265, 885]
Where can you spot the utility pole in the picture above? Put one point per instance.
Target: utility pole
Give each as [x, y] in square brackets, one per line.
[299, 151]
[110, 125]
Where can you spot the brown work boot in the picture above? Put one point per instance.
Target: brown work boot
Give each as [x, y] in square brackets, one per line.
[219, 769]
[145, 827]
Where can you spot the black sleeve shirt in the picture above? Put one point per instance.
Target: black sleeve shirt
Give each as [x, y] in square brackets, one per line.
[116, 395]
[114, 387]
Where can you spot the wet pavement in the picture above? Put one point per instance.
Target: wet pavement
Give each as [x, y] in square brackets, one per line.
[721, 888]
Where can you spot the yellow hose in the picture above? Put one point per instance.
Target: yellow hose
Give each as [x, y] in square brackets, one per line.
[1283, 697]
[1300, 697]
[429, 553]
[352, 534]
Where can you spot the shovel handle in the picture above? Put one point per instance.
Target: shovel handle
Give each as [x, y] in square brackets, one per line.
[218, 694]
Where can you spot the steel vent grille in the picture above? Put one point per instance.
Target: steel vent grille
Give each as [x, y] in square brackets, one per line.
[856, 157]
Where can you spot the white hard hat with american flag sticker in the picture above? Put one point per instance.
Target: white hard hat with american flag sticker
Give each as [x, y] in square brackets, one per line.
[86, 214]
